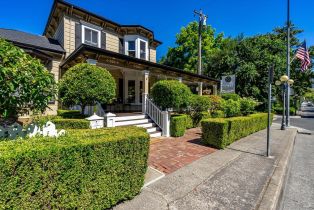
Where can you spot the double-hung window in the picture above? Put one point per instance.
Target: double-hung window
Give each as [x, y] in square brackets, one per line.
[91, 36]
[131, 49]
[142, 50]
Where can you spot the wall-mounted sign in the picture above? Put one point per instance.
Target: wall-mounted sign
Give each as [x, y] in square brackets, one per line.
[227, 84]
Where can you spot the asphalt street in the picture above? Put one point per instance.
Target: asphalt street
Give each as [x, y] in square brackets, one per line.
[299, 188]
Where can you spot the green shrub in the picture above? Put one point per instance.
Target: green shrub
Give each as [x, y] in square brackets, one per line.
[178, 125]
[198, 106]
[232, 108]
[70, 114]
[247, 106]
[25, 84]
[221, 132]
[278, 110]
[232, 96]
[71, 123]
[189, 122]
[215, 132]
[218, 114]
[85, 84]
[216, 103]
[170, 94]
[86, 169]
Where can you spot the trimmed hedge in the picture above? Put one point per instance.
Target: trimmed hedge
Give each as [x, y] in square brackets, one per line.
[86, 169]
[63, 123]
[178, 125]
[221, 132]
[71, 123]
[70, 114]
[218, 114]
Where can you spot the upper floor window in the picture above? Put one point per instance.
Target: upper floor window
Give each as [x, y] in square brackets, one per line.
[90, 36]
[143, 50]
[131, 49]
[136, 46]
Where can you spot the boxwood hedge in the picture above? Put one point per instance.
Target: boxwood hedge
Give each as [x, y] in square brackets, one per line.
[220, 132]
[86, 169]
[70, 114]
[178, 124]
[71, 123]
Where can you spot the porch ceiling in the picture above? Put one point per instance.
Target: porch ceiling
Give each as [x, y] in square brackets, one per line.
[85, 52]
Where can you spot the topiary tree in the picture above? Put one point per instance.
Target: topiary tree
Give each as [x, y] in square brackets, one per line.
[86, 84]
[170, 94]
[25, 84]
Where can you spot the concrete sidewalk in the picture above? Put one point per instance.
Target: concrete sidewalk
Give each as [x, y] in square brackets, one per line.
[239, 177]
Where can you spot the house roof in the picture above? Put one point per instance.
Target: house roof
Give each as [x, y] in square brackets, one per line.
[31, 40]
[87, 51]
[72, 8]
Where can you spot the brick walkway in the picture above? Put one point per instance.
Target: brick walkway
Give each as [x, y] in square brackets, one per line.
[169, 154]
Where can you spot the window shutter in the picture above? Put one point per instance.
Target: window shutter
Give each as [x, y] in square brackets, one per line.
[78, 35]
[103, 40]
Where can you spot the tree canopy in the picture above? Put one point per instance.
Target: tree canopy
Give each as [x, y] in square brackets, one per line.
[26, 85]
[86, 84]
[249, 58]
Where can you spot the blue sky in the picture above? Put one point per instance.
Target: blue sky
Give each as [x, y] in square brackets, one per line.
[166, 17]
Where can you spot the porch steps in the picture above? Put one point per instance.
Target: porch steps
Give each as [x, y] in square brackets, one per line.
[139, 120]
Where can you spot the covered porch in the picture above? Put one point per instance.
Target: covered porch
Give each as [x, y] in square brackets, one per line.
[135, 77]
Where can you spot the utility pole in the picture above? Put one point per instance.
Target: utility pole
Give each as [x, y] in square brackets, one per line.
[202, 22]
[288, 65]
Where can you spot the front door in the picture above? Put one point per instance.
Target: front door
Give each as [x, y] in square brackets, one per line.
[133, 87]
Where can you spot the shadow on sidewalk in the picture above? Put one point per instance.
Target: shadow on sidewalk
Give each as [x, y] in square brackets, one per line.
[247, 152]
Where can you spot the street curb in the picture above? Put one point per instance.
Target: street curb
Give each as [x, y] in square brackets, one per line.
[273, 190]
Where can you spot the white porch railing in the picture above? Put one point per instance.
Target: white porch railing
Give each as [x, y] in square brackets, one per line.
[160, 118]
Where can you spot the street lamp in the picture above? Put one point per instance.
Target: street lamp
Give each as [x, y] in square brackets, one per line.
[285, 82]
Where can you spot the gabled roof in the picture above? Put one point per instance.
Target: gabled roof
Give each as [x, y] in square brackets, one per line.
[31, 40]
[63, 6]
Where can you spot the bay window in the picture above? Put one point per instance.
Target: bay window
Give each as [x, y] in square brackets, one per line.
[131, 49]
[136, 46]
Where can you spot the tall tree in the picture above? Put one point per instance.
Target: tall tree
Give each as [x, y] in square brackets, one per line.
[185, 54]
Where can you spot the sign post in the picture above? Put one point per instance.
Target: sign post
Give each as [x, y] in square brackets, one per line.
[270, 81]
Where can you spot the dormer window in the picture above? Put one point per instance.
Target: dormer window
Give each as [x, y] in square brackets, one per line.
[90, 36]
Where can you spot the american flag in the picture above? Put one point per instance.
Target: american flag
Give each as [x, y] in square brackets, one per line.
[304, 56]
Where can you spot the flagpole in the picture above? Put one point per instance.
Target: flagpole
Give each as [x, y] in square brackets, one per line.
[288, 65]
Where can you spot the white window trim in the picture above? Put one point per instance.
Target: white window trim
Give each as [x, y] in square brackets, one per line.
[137, 40]
[139, 48]
[93, 29]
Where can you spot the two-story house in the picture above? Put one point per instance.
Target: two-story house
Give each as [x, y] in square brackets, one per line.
[73, 35]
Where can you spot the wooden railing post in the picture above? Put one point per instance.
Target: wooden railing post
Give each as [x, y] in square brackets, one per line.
[166, 124]
[144, 103]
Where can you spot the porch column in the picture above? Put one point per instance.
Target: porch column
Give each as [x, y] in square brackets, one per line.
[145, 90]
[215, 90]
[200, 88]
